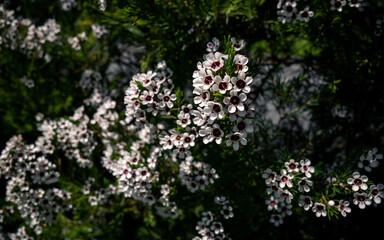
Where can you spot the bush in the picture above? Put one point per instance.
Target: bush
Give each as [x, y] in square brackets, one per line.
[190, 119]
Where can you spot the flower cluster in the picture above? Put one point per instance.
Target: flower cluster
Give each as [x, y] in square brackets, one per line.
[149, 93]
[337, 5]
[196, 175]
[221, 86]
[209, 227]
[27, 169]
[22, 34]
[294, 175]
[287, 12]
[340, 190]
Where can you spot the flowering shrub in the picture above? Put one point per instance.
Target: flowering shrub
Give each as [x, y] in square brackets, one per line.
[110, 123]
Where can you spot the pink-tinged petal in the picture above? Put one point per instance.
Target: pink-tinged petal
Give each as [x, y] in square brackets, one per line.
[377, 200]
[364, 178]
[247, 89]
[350, 180]
[231, 109]
[364, 186]
[281, 184]
[243, 97]
[368, 202]
[356, 175]
[226, 100]
[249, 80]
[240, 107]
[236, 146]
[355, 188]
[361, 205]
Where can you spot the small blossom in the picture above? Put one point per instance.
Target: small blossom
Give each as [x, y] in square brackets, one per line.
[344, 208]
[361, 199]
[292, 166]
[319, 209]
[227, 212]
[221, 200]
[272, 203]
[270, 176]
[338, 5]
[306, 168]
[306, 202]
[276, 219]
[304, 184]
[285, 179]
[237, 45]
[358, 182]
[376, 193]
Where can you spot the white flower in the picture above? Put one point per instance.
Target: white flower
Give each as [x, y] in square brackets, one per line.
[237, 46]
[211, 133]
[217, 227]
[214, 111]
[305, 14]
[270, 176]
[344, 208]
[227, 212]
[221, 200]
[373, 155]
[214, 61]
[285, 209]
[241, 63]
[243, 126]
[306, 168]
[285, 179]
[183, 120]
[276, 219]
[166, 99]
[358, 182]
[202, 98]
[289, 9]
[222, 85]
[355, 3]
[214, 45]
[367, 163]
[292, 166]
[361, 199]
[272, 203]
[286, 196]
[319, 209]
[376, 193]
[235, 138]
[306, 202]
[235, 101]
[338, 5]
[304, 184]
[203, 78]
[242, 82]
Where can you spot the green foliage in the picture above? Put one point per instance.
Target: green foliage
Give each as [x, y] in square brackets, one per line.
[304, 72]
